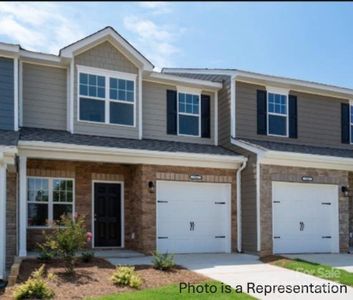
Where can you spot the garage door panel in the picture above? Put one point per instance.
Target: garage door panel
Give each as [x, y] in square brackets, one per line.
[193, 217]
[305, 217]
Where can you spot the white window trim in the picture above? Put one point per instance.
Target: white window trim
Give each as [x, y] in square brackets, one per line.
[107, 74]
[194, 92]
[350, 122]
[282, 92]
[50, 202]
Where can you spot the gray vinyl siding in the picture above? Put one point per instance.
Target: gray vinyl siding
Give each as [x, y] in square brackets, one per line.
[105, 56]
[155, 115]
[224, 100]
[319, 118]
[248, 205]
[44, 97]
[7, 109]
[248, 200]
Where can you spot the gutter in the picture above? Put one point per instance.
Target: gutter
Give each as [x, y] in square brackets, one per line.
[239, 214]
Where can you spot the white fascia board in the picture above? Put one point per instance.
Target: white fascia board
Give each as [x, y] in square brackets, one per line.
[8, 155]
[104, 154]
[107, 32]
[40, 56]
[293, 159]
[177, 80]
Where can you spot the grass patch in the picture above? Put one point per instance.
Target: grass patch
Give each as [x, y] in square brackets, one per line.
[315, 269]
[171, 292]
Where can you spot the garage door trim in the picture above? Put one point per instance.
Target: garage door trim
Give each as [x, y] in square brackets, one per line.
[228, 247]
[335, 230]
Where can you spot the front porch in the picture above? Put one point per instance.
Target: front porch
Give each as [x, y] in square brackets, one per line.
[49, 188]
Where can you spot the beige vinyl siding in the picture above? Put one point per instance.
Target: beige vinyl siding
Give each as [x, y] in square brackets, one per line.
[154, 104]
[105, 56]
[319, 118]
[44, 96]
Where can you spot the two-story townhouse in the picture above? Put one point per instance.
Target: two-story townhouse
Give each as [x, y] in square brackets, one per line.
[94, 131]
[296, 190]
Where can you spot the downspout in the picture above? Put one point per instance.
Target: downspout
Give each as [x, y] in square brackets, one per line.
[239, 215]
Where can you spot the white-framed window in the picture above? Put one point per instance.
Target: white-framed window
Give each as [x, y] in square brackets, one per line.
[351, 121]
[189, 113]
[277, 113]
[48, 199]
[107, 97]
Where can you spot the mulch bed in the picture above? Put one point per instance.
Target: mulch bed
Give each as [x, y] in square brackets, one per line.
[93, 278]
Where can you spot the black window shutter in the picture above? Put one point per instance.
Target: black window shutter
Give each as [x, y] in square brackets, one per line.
[261, 112]
[293, 117]
[171, 112]
[205, 116]
[345, 123]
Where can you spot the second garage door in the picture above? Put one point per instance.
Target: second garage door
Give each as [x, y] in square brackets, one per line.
[305, 218]
[193, 217]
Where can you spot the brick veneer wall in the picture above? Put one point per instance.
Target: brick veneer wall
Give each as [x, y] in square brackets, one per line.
[11, 221]
[139, 203]
[269, 173]
[351, 209]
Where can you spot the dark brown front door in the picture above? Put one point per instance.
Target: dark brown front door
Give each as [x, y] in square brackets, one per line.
[107, 214]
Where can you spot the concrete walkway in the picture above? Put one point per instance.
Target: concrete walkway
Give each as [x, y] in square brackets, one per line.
[242, 269]
[340, 261]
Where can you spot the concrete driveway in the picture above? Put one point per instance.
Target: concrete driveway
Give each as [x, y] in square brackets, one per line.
[245, 270]
[340, 261]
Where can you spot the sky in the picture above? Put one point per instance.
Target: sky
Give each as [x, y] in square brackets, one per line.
[309, 41]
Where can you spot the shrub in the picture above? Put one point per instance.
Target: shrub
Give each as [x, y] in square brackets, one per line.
[126, 276]
[36, 287]
[87, 256]
[67, 239]
[163, 261]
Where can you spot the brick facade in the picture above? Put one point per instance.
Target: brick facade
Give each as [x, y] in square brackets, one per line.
[11, 217]
[269, 173]
[139, 202]
[351, 209]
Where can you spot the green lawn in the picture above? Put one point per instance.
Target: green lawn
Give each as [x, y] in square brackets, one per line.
[315, 269]
[171, 292]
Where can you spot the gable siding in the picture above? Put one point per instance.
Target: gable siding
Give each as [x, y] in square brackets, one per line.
[44, 97]
[155, 115]
[7, 94]
[319, 118]
[105, 56]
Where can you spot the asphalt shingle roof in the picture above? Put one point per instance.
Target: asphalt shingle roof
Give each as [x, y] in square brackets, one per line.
[8, 137]
[306, 149]
[59, 136]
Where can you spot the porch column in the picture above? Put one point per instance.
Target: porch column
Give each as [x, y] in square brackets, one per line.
[23, 207]
[2, 220]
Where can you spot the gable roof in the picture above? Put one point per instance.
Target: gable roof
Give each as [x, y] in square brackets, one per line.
[110, 34]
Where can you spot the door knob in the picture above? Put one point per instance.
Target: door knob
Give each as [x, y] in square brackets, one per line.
[192, 226]
[301, 226]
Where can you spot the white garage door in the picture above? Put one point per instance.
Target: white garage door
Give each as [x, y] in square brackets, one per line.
[305, 218]
[193, 217]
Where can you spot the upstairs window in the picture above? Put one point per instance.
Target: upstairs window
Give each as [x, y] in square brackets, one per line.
[189, 114]
[277, 114]
[106, 97]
